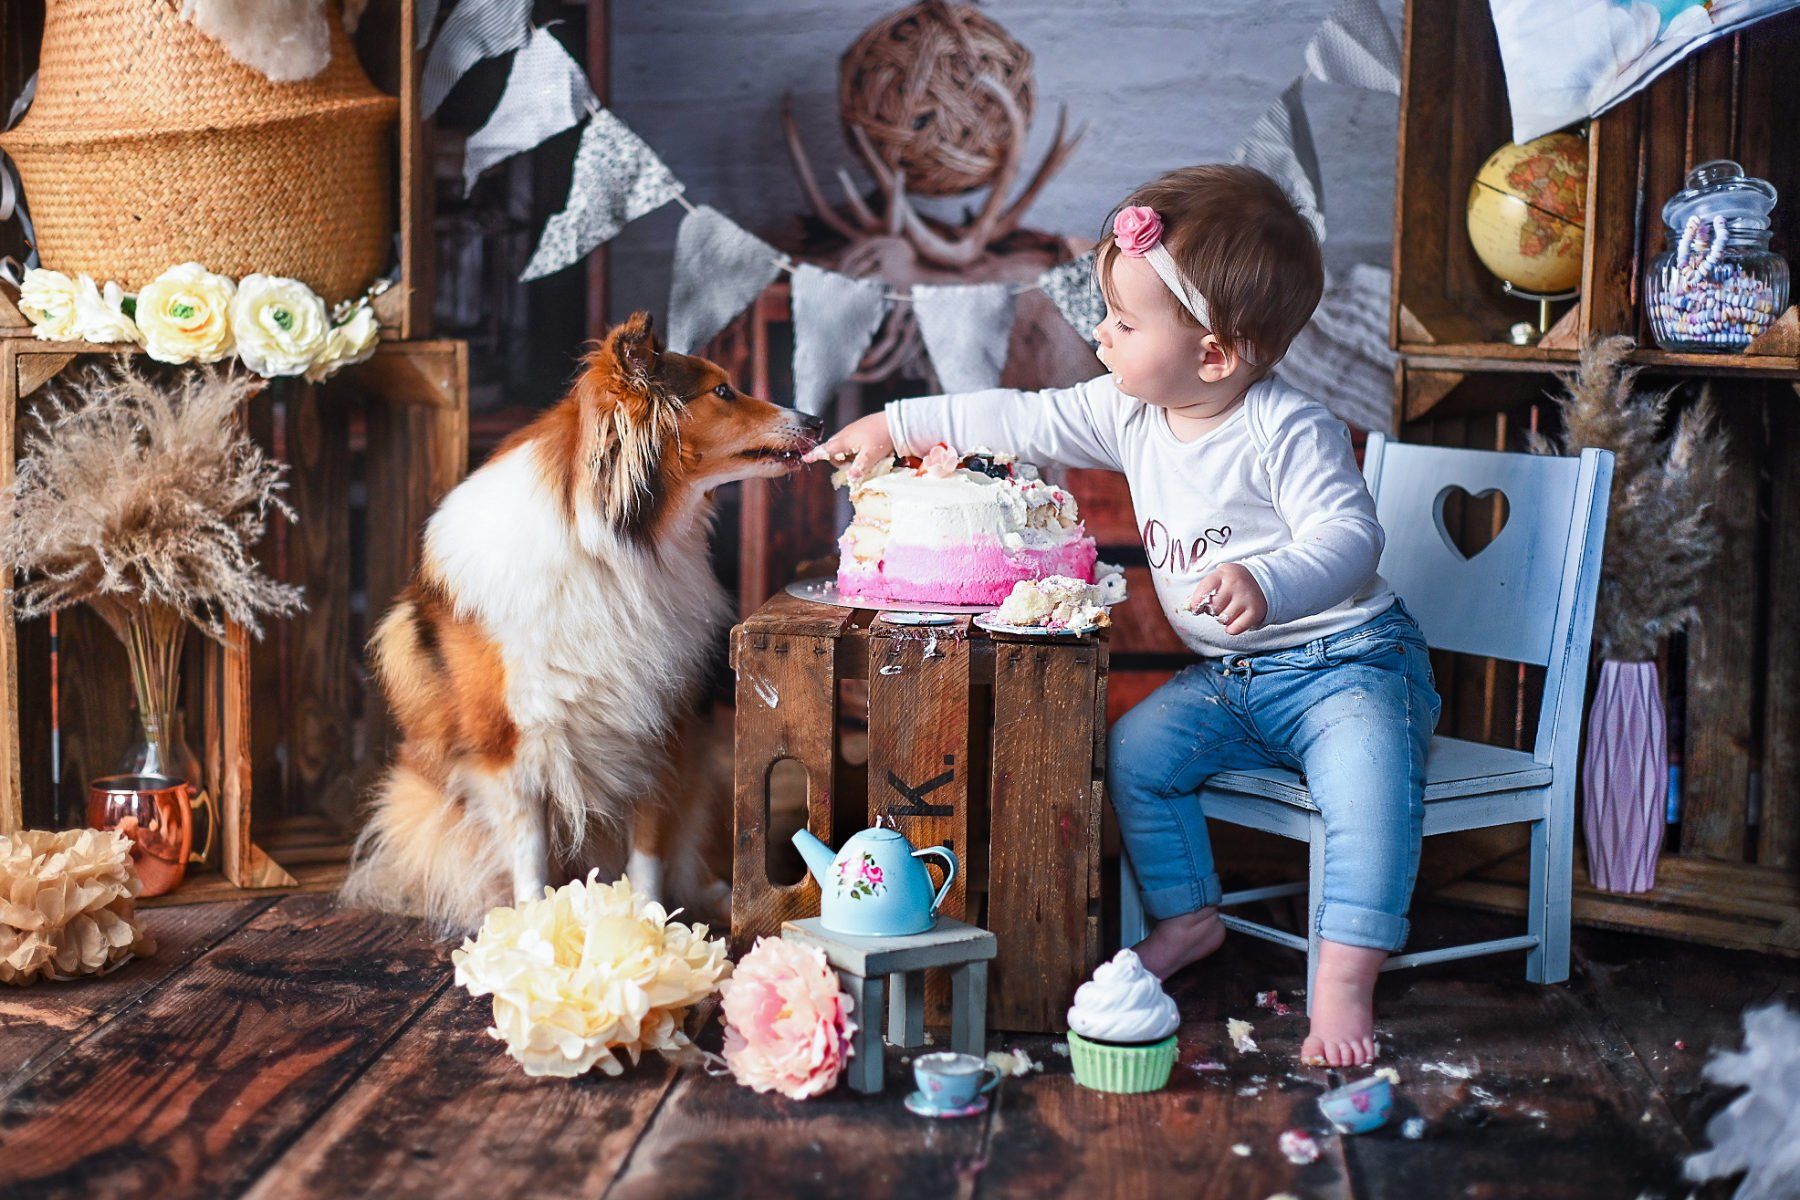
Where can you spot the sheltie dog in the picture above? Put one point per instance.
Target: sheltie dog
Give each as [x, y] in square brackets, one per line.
[542, 661]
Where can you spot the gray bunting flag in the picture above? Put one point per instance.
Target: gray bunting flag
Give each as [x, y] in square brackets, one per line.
[1280, 145]
[425, 14]
[966, 330]
[546, 93]
[1072, 287]
[474, 30]
[719, 269]
[1355, 45]
[618, 178]
[835, 318]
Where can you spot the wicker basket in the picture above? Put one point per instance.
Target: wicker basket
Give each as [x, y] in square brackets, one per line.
[148, 145]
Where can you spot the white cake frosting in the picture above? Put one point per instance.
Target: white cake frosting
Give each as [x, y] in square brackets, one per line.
[1123, 1002]
[1058, 602]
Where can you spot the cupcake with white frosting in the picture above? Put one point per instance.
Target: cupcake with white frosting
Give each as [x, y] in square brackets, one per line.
[1122, 1028]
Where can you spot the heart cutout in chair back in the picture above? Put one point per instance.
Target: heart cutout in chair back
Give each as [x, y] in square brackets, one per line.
[1469, 522]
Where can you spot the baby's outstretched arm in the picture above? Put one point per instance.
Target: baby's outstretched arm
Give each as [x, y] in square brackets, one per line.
[862, 443]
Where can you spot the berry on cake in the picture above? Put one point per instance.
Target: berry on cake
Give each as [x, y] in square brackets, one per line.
[949, 528]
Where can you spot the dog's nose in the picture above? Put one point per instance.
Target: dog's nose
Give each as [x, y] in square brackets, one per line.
[812, 423]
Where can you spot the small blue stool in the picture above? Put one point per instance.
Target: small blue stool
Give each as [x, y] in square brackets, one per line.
[873, 967]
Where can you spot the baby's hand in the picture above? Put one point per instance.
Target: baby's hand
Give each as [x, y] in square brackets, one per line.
[862, 443]
[1231, 595]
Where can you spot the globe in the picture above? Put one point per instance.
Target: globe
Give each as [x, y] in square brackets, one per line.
[1528, 212]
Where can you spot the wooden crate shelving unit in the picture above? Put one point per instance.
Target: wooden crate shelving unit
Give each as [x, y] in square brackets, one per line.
[1736, 679]
[991, 745]
[286, 729]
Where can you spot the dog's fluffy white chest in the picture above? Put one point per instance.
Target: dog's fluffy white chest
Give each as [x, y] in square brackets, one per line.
[602, 643]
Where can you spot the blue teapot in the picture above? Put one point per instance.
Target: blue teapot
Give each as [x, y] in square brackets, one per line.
[877, 885]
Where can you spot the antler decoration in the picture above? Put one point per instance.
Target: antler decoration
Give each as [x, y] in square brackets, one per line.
[936, 244]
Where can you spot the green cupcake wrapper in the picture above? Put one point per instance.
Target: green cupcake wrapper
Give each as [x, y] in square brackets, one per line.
[1122, 1068]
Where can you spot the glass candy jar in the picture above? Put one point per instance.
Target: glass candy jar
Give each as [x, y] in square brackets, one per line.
[1718, 285]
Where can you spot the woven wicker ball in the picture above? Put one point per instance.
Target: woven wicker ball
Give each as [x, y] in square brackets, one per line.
[911, 82]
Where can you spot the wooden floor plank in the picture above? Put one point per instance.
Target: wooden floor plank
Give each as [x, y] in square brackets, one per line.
[190, 1093]
[43, 1022]
[1052, 1137]
[714, 1139]
[445, 1112]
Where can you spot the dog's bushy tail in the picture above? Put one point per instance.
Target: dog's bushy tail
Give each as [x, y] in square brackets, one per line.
[419, 855]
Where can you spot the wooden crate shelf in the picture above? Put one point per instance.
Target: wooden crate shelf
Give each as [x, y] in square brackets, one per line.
[284, 727]
[1730, 100]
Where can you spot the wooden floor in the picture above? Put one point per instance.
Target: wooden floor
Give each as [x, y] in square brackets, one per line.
[285, 1048]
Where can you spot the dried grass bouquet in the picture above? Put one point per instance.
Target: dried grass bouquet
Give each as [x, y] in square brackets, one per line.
[1661, 531]
[144, 502]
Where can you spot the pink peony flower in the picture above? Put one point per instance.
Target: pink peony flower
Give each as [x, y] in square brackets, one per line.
[940, 462]
[787, 1022]
[1136, 229]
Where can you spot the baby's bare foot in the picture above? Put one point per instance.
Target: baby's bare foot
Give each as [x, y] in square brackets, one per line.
[1180, 941]
[1343, 1007]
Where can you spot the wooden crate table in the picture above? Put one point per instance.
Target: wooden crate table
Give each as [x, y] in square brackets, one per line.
[991, 745]
[870, 966]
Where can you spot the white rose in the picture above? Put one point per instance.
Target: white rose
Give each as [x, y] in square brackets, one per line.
[185, 315]
[49, 298]
[100, 315]
[350, 342]
[279, 323]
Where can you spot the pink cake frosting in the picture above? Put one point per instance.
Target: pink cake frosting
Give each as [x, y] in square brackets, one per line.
[958, 537]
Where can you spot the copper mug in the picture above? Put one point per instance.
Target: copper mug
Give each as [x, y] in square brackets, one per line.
[154, 811]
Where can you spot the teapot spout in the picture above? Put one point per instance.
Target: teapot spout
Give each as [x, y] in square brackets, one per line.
[817, 854]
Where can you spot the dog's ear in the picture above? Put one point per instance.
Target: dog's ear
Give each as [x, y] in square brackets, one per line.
[633, 347]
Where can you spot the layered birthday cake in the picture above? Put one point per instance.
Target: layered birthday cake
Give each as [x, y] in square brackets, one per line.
[958, 529]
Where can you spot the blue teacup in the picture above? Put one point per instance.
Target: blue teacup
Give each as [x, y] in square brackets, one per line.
[950, 1081]
[1359, 1107]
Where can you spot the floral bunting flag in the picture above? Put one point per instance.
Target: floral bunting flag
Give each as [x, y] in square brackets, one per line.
[719, 269]
[1076, 294]
[1355, 46]
[966, 331]
[835, 318]
[546, 93]
[618, 178]
[474, 30]
[1280, 145]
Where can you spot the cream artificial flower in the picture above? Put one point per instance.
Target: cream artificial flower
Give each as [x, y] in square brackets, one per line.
[100, 315]
[185, 315]
[48, 299]
[280, 325]
[349, 342]
[585, 971]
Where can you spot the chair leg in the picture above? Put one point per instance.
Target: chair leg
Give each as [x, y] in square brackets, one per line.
[1315, 899]
[1551, 897]
[1132, 927]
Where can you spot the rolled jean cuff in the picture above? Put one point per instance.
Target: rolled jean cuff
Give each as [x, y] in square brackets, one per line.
[1184, 897]
[1349, 925]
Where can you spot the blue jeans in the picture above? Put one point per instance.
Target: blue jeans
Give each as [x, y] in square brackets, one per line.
[1352, 712]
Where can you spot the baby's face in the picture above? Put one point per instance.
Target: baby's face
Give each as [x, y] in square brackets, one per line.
[1153, 353]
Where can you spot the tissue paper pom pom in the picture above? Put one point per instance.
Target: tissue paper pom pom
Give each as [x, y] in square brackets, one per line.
[787, 1021]
[66, 904]
[589, 969]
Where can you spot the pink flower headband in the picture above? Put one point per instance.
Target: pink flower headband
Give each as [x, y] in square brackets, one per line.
[1138, 232]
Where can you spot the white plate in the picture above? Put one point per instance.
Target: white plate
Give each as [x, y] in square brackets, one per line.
[823, 590]
[986, 621]
[919, 618]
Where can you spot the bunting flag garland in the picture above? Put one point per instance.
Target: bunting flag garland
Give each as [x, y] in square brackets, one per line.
[1072, 287]
[966, 330]
[719, 269]
[1280, 145]
[1342, 356]
[424, 16]
[546, 93]
[618, 178]
[475, 29]
[1355, 46]
[835, 318]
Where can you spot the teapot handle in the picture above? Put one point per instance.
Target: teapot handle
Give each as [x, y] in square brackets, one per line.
[949, 873]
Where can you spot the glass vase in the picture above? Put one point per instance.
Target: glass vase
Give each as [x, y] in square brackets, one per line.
[159, 748]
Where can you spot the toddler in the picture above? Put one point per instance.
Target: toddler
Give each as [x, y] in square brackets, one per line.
[1263, 543]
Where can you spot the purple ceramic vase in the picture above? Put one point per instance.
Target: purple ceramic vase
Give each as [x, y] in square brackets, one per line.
[1625, 777]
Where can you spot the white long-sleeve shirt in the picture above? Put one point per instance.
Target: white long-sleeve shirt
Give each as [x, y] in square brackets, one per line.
[1274, 488]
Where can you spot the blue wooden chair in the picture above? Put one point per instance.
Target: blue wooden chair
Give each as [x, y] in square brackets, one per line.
[1527, 597]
